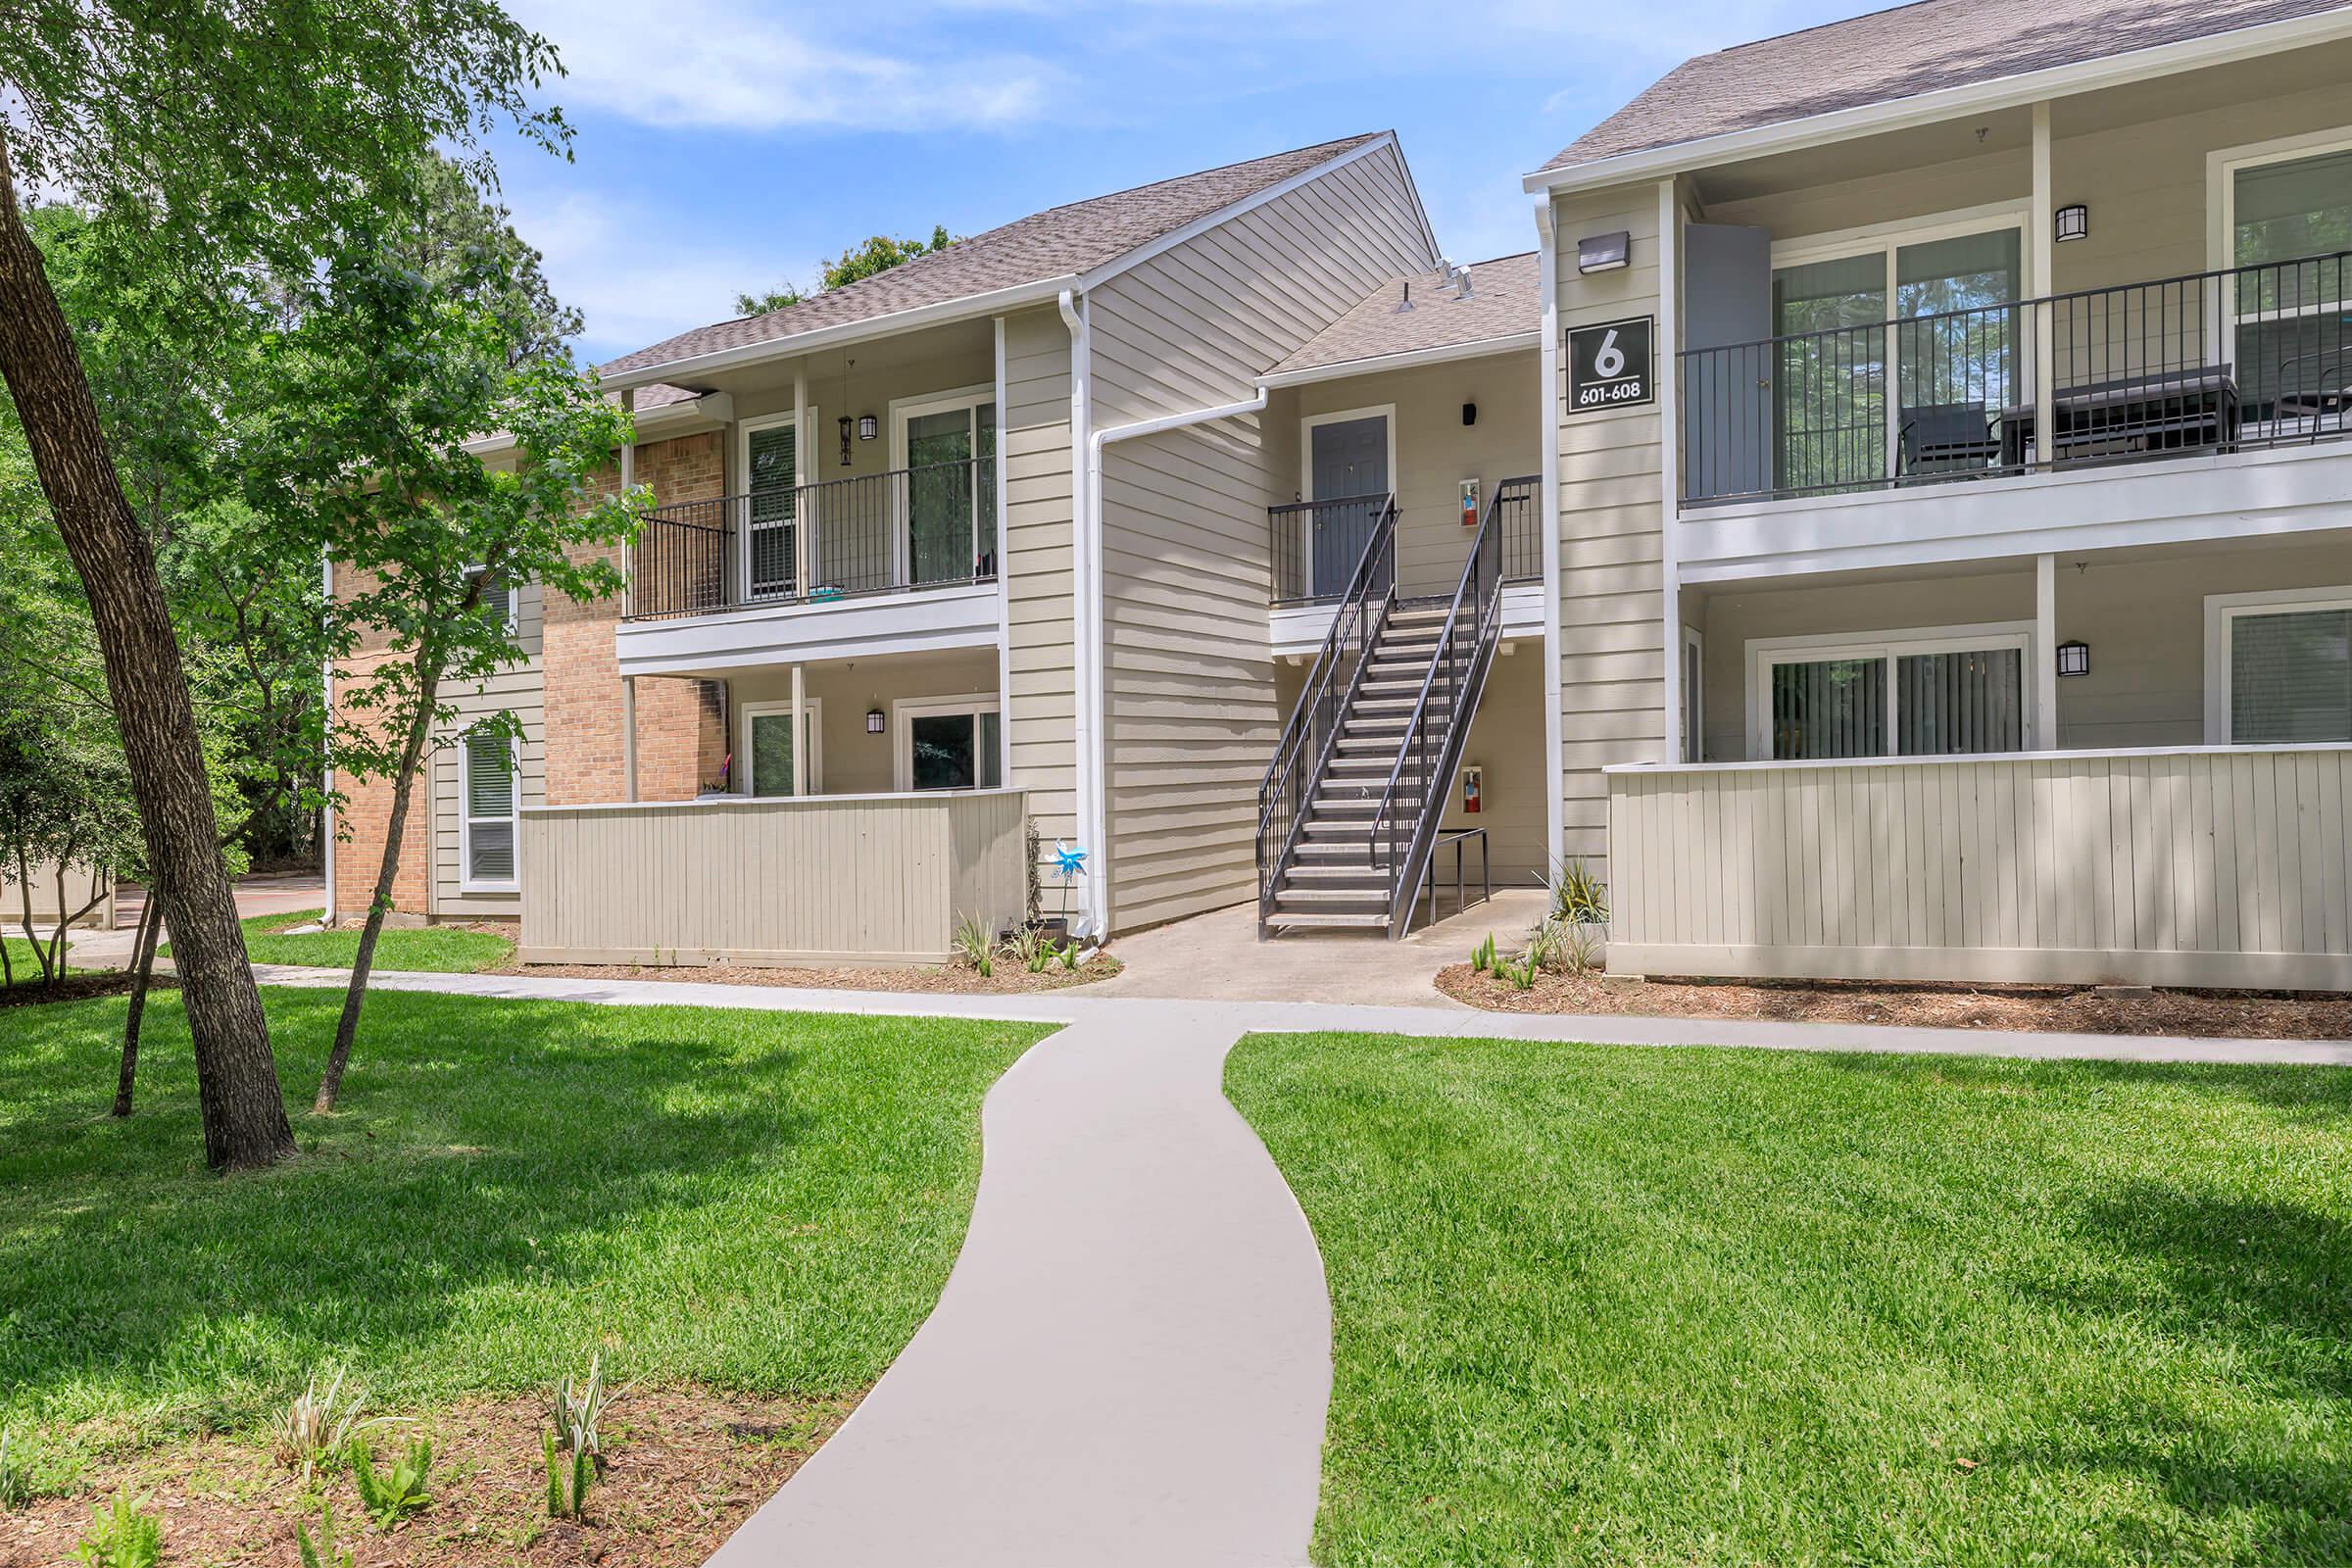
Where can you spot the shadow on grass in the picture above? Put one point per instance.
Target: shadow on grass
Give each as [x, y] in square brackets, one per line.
[492, 1164]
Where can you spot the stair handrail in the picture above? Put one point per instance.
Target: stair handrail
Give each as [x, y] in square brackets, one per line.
[1460, 653]
[1353, 626]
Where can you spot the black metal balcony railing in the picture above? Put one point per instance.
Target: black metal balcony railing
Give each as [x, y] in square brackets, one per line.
[1315, 545]
[2235, 360]
[877, 533]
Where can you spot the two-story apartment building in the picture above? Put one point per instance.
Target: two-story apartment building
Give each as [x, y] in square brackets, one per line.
[1895, 522]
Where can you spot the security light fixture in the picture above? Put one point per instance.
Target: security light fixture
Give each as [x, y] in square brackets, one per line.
[867, 427]
[1603, 253]
[873, 722]
[2074, 659]
[2074, 223]
[1469, 413]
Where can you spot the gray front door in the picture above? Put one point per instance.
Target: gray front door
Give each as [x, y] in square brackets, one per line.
[1727, 394]
[1344, 457]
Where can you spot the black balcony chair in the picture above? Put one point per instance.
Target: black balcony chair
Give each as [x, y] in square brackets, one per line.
[2321, 392]
[1939, 438]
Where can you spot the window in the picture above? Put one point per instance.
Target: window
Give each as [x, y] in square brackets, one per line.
[1949, 357]
[501, 603]
[1955, 691]
[487, 792]
[767, 748]
[2279, 667]
[2290, 218]
[948, 446]
[948, 742]
[771, 460]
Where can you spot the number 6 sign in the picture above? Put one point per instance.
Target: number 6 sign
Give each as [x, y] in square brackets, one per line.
[1609, 364]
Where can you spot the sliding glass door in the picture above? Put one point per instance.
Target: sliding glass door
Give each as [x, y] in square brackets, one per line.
[950, 450]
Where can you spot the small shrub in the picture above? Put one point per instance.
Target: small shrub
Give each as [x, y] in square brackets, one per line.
[1029, 948]
[576, 1408]
[322, 1552]
[400, 1491]
[1543, 943]
[1482, 957]
[1579, 950]
[319, 1428]
[122, 1535]
[1580, 896]
[976, 945]
[568, 1478]
[1069, 956]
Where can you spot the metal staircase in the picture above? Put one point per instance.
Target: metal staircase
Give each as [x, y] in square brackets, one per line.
[1350, 805]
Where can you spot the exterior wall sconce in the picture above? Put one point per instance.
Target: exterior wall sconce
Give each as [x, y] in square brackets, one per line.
[2074, 223]
[1603, 253]
[873, 722]
[2074, 659]
[867, 427]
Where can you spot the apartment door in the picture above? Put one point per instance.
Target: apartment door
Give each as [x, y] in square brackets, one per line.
[1727, 391]
[1346, 456]
[951, 492]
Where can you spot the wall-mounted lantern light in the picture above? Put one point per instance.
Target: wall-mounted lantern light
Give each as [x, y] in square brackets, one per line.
[2074, 223]
[2074, 659]
[873, 722]
[1603, 253]
[867, 427]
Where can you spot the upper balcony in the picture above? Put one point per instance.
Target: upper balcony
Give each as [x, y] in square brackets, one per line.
[900, 560]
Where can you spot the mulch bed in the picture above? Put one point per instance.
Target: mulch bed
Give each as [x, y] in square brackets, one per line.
[684, 1467]
[2070, 1009]
[1009, 980]
[80, 985]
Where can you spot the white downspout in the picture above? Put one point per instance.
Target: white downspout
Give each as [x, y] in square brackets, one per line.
[326, 687]
[1085, 658]
[1555, 807]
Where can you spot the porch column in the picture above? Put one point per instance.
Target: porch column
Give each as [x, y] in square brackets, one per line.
[799, 734]
[1665, 371]
[2039, 235]
[628, 736]
[2044, 653]
[804, 547]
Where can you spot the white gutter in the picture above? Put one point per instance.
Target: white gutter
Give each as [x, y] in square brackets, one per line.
[969, 306]
[327, 777]
[1556, 806]
[1950, 103]
[1086, 655]
[1405, 359]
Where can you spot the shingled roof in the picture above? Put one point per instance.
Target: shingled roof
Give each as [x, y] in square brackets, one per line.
[1903, 52]
[1506, 301]
[1055, 243]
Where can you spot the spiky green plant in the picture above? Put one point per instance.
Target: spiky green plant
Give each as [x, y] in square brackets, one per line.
[976, 945]
[577, 1407]
[568, 1480]
[122, 1535]
[322, 1552]
[317, 1428]
[396, 1494]
[1580, 896]
[1482, 957]
[1029, 947]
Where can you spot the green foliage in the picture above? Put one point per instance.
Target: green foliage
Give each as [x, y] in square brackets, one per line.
[1029, 947]
[322, 1552]
[1481, 957]
[577, 1407]
[122, 1535]
[439, 949]
[320, 1428]
[878, 254]
[1579, 895]
[975, 945]
[1069, 954]
[774, 299]
[15, 1473]
[568, 1477]
[393, 1496]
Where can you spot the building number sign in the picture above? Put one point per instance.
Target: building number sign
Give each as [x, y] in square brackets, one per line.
[1609, 365]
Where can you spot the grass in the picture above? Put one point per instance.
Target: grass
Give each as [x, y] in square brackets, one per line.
[444, 950]
[25, 965]
[758, 1201]
[1706, 1306]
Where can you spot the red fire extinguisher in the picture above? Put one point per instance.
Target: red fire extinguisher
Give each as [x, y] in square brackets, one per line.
[1473, 777]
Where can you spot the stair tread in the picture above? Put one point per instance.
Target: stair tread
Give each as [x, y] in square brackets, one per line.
[1281, 918]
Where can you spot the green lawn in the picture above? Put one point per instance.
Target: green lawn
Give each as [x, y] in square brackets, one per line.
[1706, 1306]
[448, 949]
[24, 964]
[762, 1201]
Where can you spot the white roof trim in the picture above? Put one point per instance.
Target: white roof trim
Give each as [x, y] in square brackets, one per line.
[1950, 103]
[1404, 360]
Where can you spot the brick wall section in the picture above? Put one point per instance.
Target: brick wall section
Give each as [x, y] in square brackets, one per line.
[680, 731]
[366, 815]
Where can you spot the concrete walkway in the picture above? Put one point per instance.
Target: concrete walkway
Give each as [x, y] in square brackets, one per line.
[1131, 1357]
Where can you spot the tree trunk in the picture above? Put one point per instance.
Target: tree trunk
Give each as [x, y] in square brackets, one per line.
[380, 904]
[32, 937]
[244, 1112]
[142, 969]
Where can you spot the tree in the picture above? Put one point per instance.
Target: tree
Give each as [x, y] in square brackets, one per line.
[366, 454]
[249, 131]
[877, 254]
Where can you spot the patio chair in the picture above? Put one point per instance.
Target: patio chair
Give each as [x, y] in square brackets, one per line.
[1948, 438]
[2323, 389]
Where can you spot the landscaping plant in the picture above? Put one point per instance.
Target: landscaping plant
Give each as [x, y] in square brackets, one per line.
[322, 1552]
[392, 1497]
[567, 1481]
[577, 1407]
[319, 1428]
[975, 945]
[1482, 957]
[16, 1475]
[1029, 947]
[1580, 896]
[122, 1535]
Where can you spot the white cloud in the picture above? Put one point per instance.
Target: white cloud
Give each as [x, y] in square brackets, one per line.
[632, 293]
[745, 65]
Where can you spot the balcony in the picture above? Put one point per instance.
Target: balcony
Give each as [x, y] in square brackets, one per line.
[903, 560]
[2214, 364]
[1315, 545]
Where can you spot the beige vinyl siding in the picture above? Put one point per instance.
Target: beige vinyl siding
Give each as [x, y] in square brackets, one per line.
[854, 761]
[867, 879]
[1893, 196]
[1040, 703]
[41, 878]
[1190, 713]
[2192, 868]
[1435, 449]
[1612, 600]
[519, 689]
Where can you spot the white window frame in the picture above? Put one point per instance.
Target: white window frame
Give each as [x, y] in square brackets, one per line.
[804, 536]
[1763, 653]
[514, 603]
[1386, 412]
[2222, 169]
[905, 711]
[904, 410]
[2221, 609]
[814, 722]
[468, 882]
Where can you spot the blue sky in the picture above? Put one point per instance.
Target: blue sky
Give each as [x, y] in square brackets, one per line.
[730, 144]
